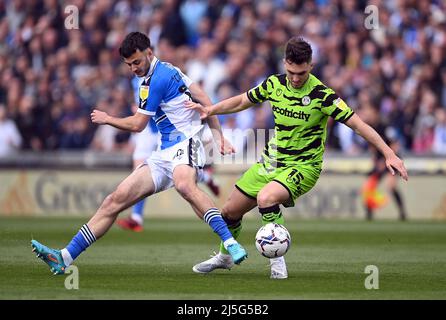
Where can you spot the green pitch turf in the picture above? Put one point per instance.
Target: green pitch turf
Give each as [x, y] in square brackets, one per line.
[327, 260]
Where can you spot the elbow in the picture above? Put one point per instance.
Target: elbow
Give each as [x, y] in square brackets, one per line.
[138, 125]
[138, 128]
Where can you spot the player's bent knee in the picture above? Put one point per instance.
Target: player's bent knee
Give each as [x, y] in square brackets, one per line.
[120, 196]
[231, 215]
[108, 206]
[185, 189]
[266, 199]
[107, 201]
[114, 203]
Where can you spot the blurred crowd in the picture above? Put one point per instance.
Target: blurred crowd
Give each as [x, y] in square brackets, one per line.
[53, 75]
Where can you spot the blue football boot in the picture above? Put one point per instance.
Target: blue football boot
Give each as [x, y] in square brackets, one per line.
[237, 253]
[53, 258]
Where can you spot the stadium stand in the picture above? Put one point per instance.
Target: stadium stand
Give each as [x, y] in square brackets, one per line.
[51, 76]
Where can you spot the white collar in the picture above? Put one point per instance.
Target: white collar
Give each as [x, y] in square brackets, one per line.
[151, 68]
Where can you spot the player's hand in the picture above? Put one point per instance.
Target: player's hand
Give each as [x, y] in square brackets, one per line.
[225, 146]
[204, 112]
[99, 117]
[393, 163]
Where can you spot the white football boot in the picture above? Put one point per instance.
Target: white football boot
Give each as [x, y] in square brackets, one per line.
[218, 261]
[278, 268]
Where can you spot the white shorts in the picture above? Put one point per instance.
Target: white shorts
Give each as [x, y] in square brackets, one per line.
[163, 162]
[145, 142]
[209, 145]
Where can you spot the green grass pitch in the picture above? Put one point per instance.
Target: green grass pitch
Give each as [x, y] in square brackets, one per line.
[326, 260]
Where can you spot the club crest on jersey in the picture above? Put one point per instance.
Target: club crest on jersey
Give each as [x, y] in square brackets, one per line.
[306, 100]
[143, 92]
[279, 92]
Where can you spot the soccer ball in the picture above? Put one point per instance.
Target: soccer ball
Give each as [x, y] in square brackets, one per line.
[273, 240]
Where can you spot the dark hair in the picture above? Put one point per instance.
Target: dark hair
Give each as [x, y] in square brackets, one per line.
[132, 42]
[298, 51]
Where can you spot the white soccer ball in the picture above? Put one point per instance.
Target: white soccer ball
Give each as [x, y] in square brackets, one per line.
[273, 240]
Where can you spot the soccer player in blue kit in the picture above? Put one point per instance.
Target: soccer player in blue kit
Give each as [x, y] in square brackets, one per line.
[146, 142]
[178, 162]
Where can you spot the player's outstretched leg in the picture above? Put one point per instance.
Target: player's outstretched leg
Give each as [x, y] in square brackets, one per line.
[53, 258]
[136, 186]
[59, 260]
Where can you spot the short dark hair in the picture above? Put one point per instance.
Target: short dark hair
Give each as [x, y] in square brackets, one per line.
[298, 51]
[132, 42]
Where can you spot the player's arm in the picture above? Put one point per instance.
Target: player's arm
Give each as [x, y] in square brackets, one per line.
[199, 95]
[238, 103]
[230, 105]
[148, 104]
[368, 133]
[134, 123]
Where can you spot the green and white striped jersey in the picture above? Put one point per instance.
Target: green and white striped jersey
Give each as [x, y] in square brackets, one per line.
[300, 117]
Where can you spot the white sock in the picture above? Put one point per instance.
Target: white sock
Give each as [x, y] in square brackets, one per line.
[228, 242]
[67, 259]
[138, 218]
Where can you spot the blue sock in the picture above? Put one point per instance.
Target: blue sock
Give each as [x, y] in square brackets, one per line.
[138, 212]
[81, 241]
[214, 219]
[138, 208]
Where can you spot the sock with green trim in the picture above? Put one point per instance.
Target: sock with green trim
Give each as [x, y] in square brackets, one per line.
[214, 219]
[272, 214]
[235, 226]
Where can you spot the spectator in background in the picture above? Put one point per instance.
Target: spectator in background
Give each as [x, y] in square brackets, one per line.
[173, 25]
[192, 12]
[10, 139]
[439, 139]
[106, 138]
[26, 118]
[424, 124]
[372, 198]
[206, 68]
[73, 123]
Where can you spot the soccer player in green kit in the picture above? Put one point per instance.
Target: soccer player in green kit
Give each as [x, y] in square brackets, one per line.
[292, 160]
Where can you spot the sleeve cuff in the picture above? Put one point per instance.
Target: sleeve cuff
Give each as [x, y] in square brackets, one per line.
[249, 97]
[351, 115]
[149, 113]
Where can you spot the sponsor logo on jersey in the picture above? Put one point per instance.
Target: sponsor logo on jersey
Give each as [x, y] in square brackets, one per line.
[179, 154]
[292, 114]
[341, 104]
[295, 177]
